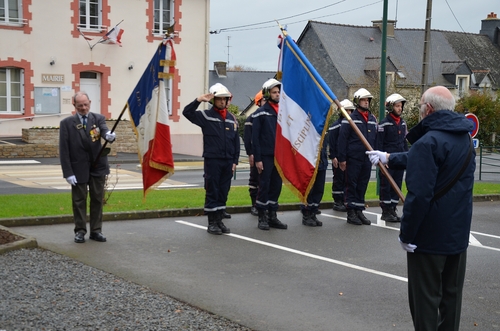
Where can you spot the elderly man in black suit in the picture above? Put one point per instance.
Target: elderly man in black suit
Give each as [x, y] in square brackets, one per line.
[79, 147]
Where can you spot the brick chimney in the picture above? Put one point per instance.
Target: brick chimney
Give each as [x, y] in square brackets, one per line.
[391, 24]
[220, 68]
[490, 27]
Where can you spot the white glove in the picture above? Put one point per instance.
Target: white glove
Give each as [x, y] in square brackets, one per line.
[110, 136]
[410, 248]
[376, 156]
[71, 180]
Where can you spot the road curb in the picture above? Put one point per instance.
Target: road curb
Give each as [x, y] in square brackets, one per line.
[27, 242]
[146, 214]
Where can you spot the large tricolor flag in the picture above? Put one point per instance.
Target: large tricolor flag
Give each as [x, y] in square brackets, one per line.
[304, 109]
[148, 109]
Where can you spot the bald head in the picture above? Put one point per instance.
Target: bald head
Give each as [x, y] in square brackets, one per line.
[436, 98]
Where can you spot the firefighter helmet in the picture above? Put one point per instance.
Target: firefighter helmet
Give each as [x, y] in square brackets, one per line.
[362, 93]
[347, 104]
[258, 98]
[220, 91]
[268, 86]
[392, 100]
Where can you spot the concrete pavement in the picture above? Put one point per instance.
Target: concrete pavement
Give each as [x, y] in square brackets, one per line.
[335, 277]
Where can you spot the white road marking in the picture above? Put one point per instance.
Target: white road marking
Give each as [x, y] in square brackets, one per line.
[20, 162]
[295, 251]
[382, 224]
[485, 234]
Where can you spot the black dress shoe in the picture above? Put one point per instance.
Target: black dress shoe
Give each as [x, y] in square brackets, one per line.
[79, 237]
[226, 215]
[97, 236]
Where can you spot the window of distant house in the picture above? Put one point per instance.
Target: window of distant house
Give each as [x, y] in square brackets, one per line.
[163, 15]
[11, 90]
[463, 85]
[90, 15]
[389, 79]
[11, 12]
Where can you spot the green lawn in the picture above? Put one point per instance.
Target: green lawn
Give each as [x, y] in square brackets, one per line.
[53, 204]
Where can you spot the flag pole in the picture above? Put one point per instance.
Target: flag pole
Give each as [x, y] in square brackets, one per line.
[106, 142]
[365, 142]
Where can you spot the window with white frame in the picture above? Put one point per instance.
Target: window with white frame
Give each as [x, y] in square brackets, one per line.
[163, 15]
[11, 90]
[90, 15]
[389, 79]
[462, 84]
[11, 12]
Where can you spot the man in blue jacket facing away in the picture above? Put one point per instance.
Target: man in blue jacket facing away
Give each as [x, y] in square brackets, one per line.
[437, 212]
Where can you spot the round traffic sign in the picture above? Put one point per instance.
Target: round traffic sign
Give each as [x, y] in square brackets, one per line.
[475, 121]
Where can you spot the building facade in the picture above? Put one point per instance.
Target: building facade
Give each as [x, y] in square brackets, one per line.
[53, 48]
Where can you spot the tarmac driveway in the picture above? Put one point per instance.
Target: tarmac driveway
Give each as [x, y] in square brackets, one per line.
[335, 277]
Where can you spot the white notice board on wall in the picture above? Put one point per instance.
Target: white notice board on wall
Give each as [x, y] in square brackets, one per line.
[47, 100]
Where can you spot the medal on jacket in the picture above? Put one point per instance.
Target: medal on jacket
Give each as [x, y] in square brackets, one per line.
[95, 133]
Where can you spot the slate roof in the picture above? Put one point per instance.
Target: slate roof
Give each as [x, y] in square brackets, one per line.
[242, 84]
[348, 47]
[478, 51]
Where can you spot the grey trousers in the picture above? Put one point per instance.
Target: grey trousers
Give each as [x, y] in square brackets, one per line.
[435, 284]
[95, 188]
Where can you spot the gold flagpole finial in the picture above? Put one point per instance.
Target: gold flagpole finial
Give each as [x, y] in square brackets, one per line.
[282, 29]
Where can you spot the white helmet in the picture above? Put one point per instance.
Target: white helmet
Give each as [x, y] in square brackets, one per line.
[268, 86]
[347, 104]
[362, 94]
[392, 100]
[220, 91]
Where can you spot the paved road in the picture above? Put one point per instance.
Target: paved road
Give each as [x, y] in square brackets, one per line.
[45, 176]
[337, 277]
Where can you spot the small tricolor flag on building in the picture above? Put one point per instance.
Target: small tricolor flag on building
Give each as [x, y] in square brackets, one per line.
[114, 36]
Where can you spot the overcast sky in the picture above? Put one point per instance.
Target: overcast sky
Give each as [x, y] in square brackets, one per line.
[254, 45]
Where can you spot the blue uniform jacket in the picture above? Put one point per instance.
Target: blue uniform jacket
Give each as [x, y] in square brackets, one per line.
[247, 135]
[323, 156]
[440, 144]
[220, 137]
[333, 136]
[263, 131]
[391, 137]
[349, 143]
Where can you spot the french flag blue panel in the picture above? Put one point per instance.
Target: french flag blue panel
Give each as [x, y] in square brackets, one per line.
[304, 109]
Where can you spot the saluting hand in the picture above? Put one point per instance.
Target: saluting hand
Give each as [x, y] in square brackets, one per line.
[205, 97]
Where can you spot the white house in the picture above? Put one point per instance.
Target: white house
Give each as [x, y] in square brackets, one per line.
[45, 59]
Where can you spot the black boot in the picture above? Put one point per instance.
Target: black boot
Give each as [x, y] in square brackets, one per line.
[274, 222]
[222, 227]
[394, 213]
[253, 209]
[352, 217]
[316, 220]
[339, 206]
[263, 225]
[307, 218]
[213, 228]
[387, 215]
[363, 218]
